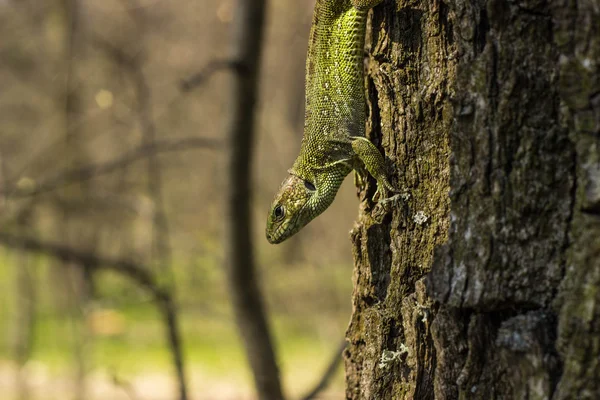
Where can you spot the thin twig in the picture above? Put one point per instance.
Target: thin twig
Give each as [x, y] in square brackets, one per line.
[329, 372]
[199, 78]
[125, 385]
[136, 272]
[132, 61]
[143, 93]
[161, 238]
[91, 171]
[132, 270]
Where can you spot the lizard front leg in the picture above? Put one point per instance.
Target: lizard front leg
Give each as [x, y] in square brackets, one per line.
[374, 163]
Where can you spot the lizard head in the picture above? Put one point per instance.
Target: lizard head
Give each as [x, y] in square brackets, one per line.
[294, 206]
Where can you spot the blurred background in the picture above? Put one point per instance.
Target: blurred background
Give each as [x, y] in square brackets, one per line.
[100, 152]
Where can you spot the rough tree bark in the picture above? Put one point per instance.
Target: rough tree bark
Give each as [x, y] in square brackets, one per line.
[485, 284]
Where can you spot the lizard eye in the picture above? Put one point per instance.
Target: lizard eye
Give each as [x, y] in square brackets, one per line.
[279, 212]
[309, 186]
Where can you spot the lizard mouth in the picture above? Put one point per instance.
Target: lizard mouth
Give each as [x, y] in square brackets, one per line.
[271, 238]
[283, 231]
[278, 235]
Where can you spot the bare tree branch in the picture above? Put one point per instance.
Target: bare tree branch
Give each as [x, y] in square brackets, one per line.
[26, 305]
[133, 64]
[94, 170]
[200, 78]
[329, 372]
[79, 277]
[161, 238]
[241, 272]
[135, 272]
[139, 274]
[118, 55]
[125, 385]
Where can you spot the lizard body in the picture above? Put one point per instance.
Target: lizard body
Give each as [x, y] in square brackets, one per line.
[334, 141]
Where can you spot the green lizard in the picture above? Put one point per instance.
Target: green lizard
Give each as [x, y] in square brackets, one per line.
[334, 141]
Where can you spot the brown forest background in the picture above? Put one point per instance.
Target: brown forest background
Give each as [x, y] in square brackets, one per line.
[111, 146]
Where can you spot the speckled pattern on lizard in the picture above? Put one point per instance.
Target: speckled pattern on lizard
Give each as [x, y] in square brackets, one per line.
[334, 141]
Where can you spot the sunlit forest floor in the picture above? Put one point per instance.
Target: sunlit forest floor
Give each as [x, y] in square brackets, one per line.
[127, 367]
[124, 345]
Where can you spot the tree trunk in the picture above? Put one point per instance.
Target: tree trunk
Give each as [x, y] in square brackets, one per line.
[484, 284]
[244, 289]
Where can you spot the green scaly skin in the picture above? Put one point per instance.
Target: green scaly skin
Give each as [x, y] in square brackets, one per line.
[334, 140]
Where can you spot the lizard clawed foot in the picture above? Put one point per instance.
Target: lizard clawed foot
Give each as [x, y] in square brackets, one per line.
[393, 200]
[386, 205]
